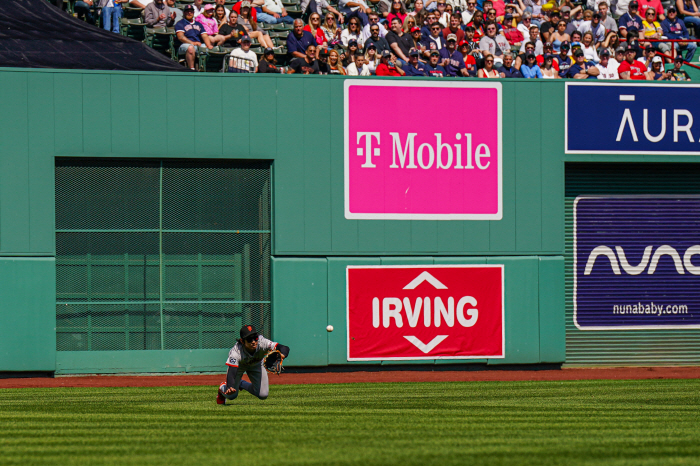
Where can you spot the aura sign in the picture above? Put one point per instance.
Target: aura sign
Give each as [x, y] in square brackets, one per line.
[443, 163]
[425, 312]
[636, 262]
[632, 119]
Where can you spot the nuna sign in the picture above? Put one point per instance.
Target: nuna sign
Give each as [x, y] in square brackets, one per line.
[440, 163]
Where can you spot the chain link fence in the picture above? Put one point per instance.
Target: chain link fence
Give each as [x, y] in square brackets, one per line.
[160, 255]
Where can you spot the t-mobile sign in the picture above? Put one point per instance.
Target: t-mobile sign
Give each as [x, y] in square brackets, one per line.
[440, 160]
[425, 312]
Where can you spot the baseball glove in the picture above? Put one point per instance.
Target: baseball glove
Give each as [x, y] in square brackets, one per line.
[273, 362]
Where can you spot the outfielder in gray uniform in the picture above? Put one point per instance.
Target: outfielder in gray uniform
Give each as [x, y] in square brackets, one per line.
[248, 356]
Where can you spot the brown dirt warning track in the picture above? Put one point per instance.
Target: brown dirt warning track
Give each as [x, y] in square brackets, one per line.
[621, 373]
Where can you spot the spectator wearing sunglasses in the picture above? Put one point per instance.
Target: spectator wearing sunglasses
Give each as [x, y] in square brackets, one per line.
[373, 19]
[414, 67]
[375, 39]
[494, 43]
[435, 41]
[468, 13]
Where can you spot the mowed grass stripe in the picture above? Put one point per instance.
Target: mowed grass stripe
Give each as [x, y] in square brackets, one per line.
[579, 422]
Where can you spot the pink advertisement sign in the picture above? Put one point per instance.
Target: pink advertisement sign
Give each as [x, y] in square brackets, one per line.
[423, 150]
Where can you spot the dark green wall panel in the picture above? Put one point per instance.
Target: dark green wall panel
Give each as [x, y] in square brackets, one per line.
[209, 134]
[300, 309]
[521, 309]
[151, 99]
[181, 132]
[502, 232]
[124, 114]
[551, 303]
[528, 209]
[27, 314]
[317, 145]
[68, 112]
[14, 165]
[97, 122]
[40, 111]
[337, 307]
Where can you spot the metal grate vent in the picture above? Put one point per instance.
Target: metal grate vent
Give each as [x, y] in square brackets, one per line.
[159, 254]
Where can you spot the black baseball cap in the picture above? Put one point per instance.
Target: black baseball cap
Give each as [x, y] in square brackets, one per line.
[605, 53]
[678, 58]
[634, 4]
[269, 51]
[413, 53]
[578, 53]
[188, 7]
[248, 330]
[565, 45]
[671, 9]
[245, 38]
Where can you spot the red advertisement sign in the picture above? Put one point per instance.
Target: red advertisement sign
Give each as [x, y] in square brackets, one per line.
[425, 312]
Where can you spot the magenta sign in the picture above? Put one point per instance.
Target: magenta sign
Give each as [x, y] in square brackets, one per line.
[422, 150]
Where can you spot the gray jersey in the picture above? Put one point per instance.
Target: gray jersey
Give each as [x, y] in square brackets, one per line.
[239, 356]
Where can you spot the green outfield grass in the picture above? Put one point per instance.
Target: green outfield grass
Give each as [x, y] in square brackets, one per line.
[585, 422]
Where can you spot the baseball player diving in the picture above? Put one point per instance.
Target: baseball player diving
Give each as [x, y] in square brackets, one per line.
[253, 354]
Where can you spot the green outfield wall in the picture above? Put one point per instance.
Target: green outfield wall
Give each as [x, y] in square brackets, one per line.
[295, 123]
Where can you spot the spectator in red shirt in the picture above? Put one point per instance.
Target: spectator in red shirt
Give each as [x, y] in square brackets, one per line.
[644, 5]
[454, 28]
[387, 66]
[631, 68]
[515, 38]
[397, 11]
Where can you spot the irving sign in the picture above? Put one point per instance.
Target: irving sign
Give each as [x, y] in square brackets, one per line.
[403, 165]
[425, 312]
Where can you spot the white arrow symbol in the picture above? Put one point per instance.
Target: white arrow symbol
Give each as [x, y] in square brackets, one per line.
[425, 277]
[422, 346]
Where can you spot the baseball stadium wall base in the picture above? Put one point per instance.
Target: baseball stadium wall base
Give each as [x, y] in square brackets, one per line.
[134, 240]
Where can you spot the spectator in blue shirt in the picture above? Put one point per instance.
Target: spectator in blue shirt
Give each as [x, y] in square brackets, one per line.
[299, 40]
[630, 21]
[507, 70]
[674, 28]
[414, 66]
[191, 34]
[581, 69]
[530, 69]
[433, 68]
[454, 65]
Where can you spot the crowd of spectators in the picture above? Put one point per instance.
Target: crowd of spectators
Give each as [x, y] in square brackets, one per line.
[438, 38]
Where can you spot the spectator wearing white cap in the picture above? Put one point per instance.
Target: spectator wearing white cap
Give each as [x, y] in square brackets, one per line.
[657, 73]
[607, 68]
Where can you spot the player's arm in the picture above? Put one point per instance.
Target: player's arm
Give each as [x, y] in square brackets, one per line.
[231, 379]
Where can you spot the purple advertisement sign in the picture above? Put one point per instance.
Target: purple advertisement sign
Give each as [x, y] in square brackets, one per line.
[636, 262]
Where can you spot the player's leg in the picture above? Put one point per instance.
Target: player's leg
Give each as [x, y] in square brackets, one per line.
[237, 383]
[258, 385]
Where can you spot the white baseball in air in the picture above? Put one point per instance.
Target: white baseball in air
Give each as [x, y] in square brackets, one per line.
[329, 328]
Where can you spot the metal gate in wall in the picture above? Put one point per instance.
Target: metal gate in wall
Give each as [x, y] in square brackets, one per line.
[629, 347]
[154, 255]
